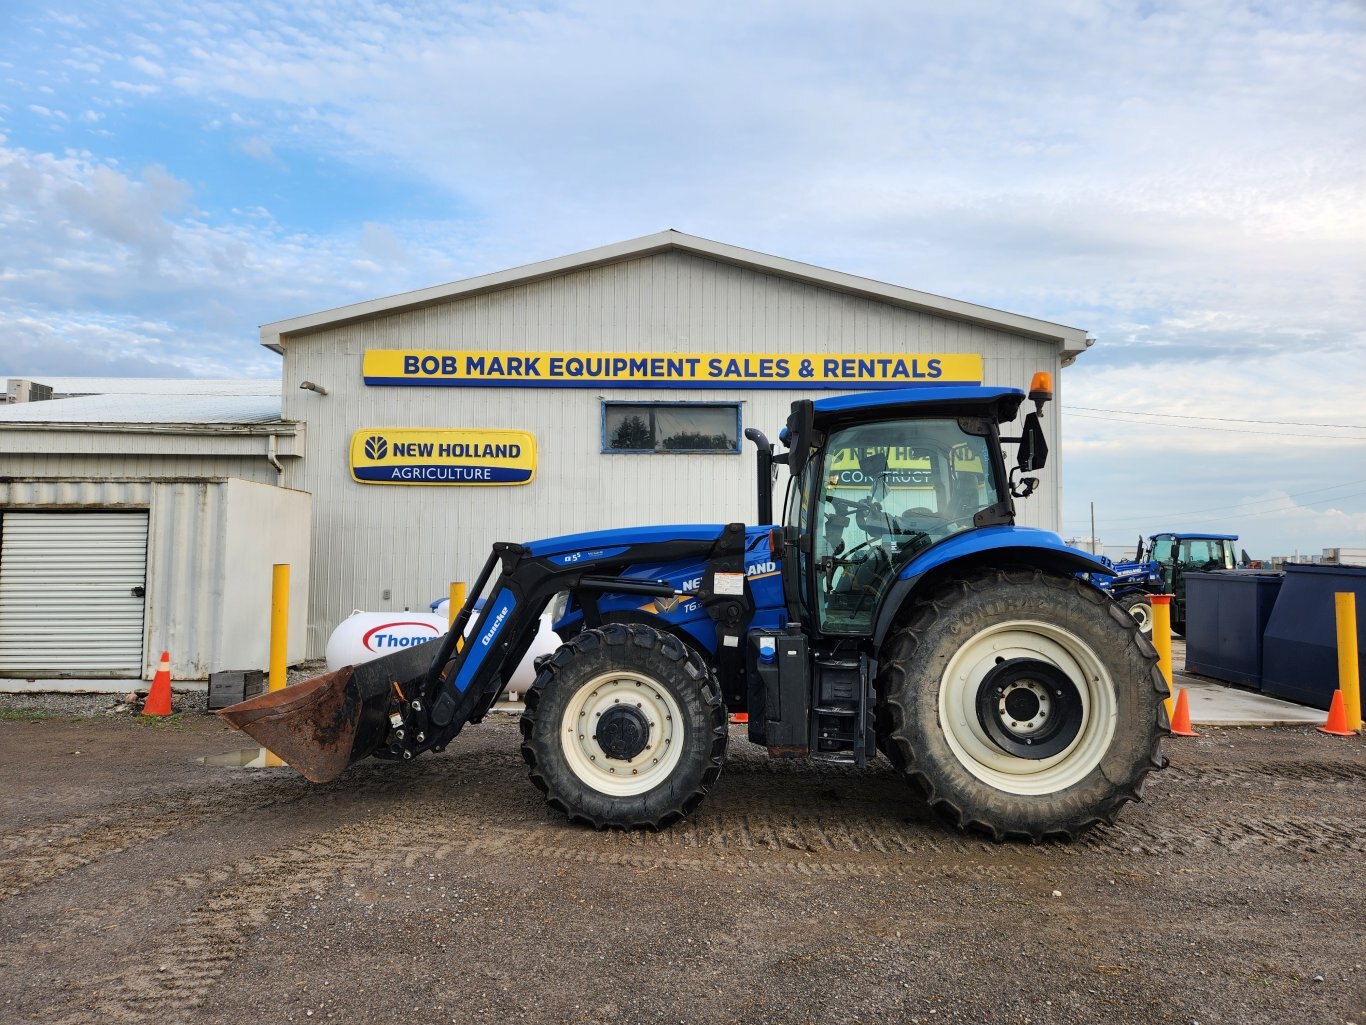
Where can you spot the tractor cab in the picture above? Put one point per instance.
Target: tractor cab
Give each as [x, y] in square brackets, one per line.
[884, 480]
[1177, 554]
[880, 483]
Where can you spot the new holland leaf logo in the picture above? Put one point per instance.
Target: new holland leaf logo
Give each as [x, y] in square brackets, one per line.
[376, 447]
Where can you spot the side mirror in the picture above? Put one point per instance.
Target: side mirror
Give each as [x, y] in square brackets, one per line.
[800, 435]
[1033, 450]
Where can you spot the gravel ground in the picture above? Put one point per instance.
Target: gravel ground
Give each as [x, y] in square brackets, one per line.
[138, 885]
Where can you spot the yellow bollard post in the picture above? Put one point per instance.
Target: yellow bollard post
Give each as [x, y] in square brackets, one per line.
[456, 604]
[1349, 668]
[279, 625]
[1162, 641]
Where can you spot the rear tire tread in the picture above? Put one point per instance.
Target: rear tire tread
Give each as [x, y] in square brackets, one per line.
[908, 636]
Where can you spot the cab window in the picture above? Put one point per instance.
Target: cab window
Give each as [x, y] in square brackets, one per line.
[887, 492]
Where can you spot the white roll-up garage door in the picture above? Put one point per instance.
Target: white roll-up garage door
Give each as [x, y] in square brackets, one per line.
[71, 593]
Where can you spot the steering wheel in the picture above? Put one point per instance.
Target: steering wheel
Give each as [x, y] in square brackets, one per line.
[867, 514]
[921, 513]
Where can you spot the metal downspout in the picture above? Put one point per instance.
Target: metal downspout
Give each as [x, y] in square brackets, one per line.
[272, 454]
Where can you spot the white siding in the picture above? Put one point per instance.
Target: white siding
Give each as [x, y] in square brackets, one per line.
[210, 545]
[140, 451]
[135, 465]
[415, 540]
[69, 603]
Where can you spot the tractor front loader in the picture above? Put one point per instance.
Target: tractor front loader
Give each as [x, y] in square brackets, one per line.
[896, 608]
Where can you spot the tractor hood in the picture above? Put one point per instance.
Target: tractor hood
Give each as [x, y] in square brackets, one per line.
[596, 544]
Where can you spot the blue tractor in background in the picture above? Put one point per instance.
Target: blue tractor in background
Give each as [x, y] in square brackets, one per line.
[897, 607]
[1160, 567]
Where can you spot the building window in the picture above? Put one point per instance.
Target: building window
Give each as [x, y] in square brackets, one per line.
[671, 427]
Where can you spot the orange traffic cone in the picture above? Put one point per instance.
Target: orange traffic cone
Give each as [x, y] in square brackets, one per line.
[1336, 726]
[159, 697]
[1181, 721]
[739, 718]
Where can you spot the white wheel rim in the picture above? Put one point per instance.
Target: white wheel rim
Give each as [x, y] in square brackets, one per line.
[1046, 642]
[1143, 614]
[614, 776]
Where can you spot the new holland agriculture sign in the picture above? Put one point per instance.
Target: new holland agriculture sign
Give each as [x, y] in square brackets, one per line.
[401, 456]
[464, 369]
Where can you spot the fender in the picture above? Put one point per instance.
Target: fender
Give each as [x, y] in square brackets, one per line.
[986, 546]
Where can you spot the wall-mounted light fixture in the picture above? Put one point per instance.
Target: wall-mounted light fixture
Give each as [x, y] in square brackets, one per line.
[310, 386]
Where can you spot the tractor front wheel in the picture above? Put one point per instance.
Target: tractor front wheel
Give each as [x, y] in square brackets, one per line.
[1140, 606]
[1022, 704]
[624, 727]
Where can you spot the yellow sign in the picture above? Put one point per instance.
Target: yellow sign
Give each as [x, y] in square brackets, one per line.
[510, 369]
[393, 455]
[904, 469]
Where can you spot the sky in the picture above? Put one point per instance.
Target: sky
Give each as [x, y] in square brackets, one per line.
[1186, 181]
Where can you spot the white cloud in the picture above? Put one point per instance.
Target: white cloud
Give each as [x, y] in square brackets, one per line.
[147, 67]
[1148, 473]
[258, 149]
[118, 273]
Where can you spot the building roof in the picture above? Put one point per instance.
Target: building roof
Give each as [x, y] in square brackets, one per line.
[71, 386]
[147, 408]
[1071, 339]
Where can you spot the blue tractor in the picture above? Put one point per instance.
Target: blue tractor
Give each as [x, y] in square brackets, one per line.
[1160, 567]
[897, 607]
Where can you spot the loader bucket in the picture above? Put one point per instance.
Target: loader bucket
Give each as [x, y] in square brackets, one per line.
[322, 725]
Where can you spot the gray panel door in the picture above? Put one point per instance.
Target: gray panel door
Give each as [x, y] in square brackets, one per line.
[71, 593]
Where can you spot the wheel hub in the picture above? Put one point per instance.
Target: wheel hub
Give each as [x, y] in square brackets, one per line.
[623, 732]
[1029, 708]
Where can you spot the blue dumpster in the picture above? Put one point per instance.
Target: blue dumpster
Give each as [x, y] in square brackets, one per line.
[1226, 614]
[1299, 648]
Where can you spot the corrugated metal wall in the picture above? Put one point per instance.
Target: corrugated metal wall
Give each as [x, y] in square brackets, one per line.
[62, 464]
[70, 598]
[185, 558]
[139, 451]
[414, 540]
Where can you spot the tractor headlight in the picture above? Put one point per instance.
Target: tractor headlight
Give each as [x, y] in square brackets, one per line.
[559, 605]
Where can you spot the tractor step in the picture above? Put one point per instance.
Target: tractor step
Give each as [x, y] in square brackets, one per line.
[835, 759]
[841, 720]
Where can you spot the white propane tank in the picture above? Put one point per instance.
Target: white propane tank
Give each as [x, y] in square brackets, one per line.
[367, 635]
[545, 642]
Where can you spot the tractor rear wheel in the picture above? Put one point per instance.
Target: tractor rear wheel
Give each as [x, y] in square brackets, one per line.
[1140, 606]
[624, 727]
[1023, 705]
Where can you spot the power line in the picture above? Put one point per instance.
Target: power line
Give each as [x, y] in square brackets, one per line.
[1225, 430]
[1259, 501]
[1273, 512]
[1253, 515]
[1223, 419]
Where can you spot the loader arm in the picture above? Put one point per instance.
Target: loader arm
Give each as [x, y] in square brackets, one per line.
[419, 699]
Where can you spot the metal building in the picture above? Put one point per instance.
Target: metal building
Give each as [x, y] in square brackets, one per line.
[143, 521]
[601, 366]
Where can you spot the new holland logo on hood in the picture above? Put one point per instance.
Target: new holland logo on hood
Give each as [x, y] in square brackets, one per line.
[406, 456]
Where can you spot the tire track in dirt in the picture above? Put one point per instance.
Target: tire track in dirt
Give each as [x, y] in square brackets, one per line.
[430, 825]
[1279, 773]
[96, 837]
[1322, 835]
[115, 834]
[178, 974]
[40, 833]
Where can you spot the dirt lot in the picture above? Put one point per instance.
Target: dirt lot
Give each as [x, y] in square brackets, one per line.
[137, 885]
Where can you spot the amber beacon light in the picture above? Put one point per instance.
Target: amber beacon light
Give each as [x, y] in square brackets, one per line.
[1041, 389]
